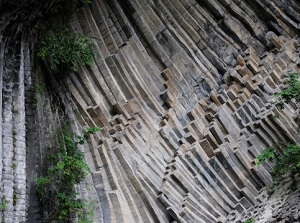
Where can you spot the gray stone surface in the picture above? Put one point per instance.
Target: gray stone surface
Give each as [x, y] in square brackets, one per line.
[183, 93]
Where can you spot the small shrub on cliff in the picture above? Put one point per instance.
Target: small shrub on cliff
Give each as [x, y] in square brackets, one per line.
[56, 188]
[66, 48]
[285, 155]
[57, 44]
[287, 160]
[292, 92]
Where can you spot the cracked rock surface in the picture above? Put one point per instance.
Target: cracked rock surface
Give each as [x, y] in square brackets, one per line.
[183, 91]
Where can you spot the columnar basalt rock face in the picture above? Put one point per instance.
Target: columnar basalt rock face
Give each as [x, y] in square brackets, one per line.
[282, 206]
[183, 93]
[16, 108]
[14, 69]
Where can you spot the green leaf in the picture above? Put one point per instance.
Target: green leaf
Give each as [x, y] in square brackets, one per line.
[81, 142]
[66, 168]
[66, 47]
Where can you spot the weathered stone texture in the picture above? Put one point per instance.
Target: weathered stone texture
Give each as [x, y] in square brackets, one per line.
[281, 206]
[183, 91]
[13, 145]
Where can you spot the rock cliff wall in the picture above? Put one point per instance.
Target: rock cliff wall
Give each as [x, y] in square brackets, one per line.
[183, 92]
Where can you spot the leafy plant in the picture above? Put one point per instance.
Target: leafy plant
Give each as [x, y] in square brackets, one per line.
[249, 221]
[292, 92]
[285, 155]
[3, 204]
[66, 168]
[65, 48]
[57, 44]
[287, 159]
[267, 154]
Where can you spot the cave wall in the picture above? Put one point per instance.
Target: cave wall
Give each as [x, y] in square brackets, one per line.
[183, 91]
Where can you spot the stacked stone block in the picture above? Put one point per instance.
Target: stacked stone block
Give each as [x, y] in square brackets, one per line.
[13, 142]
[184, 93]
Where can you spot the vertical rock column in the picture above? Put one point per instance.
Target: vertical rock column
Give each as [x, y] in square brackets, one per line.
[2, 48]
[182, 91]
[19, 160]
[13, 188]
[7, 136]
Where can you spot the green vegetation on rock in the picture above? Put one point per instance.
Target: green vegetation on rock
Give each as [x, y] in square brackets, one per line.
[291, 93]
[249, 221]
[286, 156]
[3, 204]
[66, 48]
[57, 44]
[66, 167]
